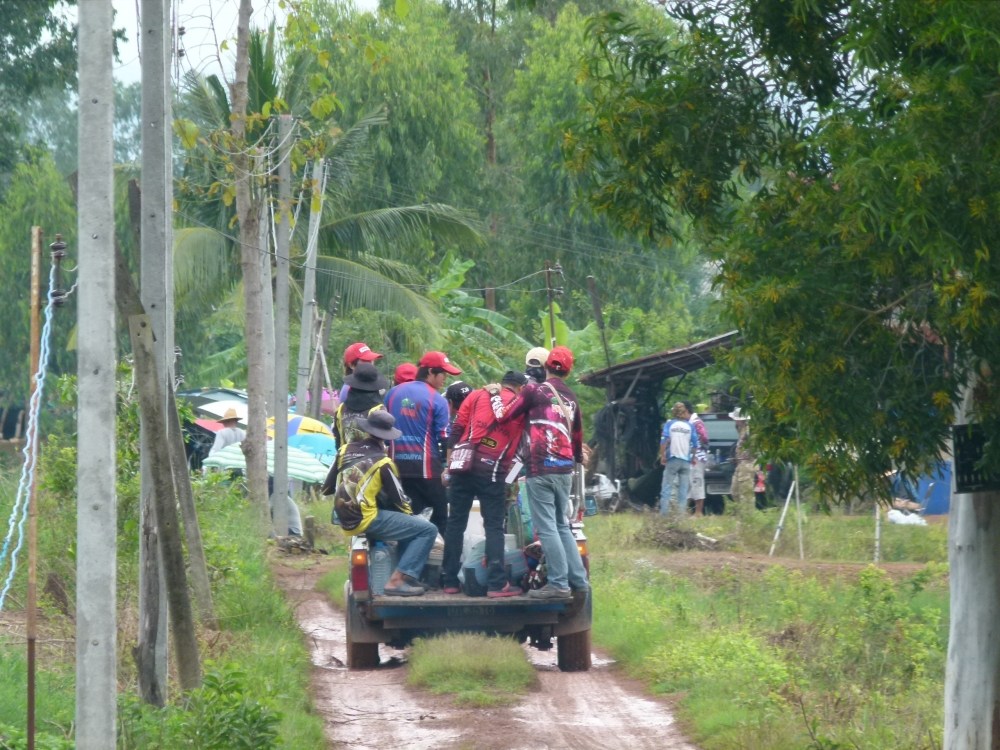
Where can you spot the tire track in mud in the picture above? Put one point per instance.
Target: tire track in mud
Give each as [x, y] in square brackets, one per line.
[375, 709]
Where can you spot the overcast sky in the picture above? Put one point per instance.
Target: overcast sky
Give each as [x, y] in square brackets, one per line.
[206, 24]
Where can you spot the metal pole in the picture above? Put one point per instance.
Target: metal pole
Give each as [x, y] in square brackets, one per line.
[32, 624]
[798, 513]
[781, 521]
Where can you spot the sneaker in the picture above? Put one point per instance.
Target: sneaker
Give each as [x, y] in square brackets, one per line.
[550, 592]
[507, 590]
[452, 590]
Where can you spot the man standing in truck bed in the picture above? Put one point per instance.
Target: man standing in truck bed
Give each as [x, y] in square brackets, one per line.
[555, 437]
[494, 446]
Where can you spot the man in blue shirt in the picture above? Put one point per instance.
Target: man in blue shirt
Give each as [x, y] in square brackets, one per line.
[421, 414]
[678, 442]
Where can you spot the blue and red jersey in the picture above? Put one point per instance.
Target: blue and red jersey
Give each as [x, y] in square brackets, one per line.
[422, 416]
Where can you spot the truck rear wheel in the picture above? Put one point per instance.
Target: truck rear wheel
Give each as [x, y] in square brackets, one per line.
[361, 655]
[574, 651]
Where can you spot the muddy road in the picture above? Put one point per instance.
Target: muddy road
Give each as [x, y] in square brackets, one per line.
[599, 709]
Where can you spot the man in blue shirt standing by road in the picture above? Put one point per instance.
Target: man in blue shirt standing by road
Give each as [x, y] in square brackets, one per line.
[678, 442]
[421, 414]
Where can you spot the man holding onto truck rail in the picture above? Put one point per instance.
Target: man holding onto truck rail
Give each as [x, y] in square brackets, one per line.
[368, 499]
[555, 435]
[494, 446]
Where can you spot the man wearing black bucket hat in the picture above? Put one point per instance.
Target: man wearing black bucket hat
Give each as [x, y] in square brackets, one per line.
[369, 500]
[366, 387]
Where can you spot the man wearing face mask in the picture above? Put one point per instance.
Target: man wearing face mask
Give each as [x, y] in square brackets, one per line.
[534, 363]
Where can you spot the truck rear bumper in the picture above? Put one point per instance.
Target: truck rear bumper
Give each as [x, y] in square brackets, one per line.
[387, 619]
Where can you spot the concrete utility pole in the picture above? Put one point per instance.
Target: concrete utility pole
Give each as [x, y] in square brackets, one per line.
[279, 492]
[96, 638]
[155, 278]
[309, 286]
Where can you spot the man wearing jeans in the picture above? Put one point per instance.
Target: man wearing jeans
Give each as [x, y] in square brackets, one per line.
[369, 499]
[486, 478]
[677, 445]
[555, 446]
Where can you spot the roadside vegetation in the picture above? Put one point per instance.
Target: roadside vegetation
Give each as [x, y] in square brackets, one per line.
[256, 667]
[823, 654]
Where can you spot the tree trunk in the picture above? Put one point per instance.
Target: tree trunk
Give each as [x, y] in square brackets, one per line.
[247, 211]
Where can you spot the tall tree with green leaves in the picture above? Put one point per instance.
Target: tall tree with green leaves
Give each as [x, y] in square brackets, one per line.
[37, 196]
[838, 155]
[37, 52]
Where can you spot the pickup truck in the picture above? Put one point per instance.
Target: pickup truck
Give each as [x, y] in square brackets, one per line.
[374, 618]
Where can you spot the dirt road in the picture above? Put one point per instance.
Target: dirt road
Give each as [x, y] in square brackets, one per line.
[595, 710]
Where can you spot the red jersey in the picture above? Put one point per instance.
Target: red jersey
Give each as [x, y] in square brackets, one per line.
[495, 443]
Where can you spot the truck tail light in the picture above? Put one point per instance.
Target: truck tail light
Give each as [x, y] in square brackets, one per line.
[359, 570]
[581, 545]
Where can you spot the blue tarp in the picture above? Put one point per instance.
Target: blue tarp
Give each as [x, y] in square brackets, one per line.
[940, 500]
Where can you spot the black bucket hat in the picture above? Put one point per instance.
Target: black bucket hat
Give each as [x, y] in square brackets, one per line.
[366, 378]
[381, 424]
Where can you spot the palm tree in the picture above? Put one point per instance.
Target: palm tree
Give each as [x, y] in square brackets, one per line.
[355, 248]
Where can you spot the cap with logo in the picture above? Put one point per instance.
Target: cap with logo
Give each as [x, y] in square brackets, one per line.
[439, 361]
[359, 352]
[457, 391]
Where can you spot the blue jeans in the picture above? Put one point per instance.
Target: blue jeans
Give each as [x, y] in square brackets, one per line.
[676, 472]
[414, 534]
[548, 496]
[462, 489]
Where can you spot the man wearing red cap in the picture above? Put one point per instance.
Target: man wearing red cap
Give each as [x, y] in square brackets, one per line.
[421, 414]
[355, 353]
[555, 446]
[405, 373]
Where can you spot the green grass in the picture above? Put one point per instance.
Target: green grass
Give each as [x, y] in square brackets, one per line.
[478, 670]
[779, 657]
[258, 655]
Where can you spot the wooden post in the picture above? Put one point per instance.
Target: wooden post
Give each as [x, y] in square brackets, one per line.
[151, 401]
[32, 598]
[155, 275]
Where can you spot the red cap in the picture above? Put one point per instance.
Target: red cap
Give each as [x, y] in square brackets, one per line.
[359, 352]
[560, 358]
[439, 361]
[405, 373]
